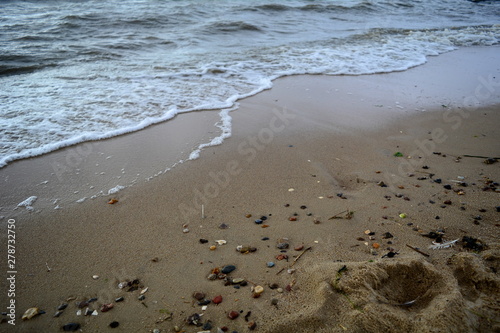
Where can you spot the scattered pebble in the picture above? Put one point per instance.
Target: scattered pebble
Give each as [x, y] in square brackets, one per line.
[228, 269]
[71, 327]
[114, 324]
[270, 264]
[233, 315]
[217, 299]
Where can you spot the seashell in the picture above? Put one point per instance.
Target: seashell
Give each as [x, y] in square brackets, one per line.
[95, 277]
[258, 289]
[30, 313]
[221, 242]
[112, 201]
[143, 291]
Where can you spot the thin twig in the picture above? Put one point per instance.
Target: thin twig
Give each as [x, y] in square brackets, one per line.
[415, 249]
[495, 158]
[336, 215]
[295, 260]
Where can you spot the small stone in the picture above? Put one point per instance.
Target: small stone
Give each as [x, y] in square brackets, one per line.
[87, 312]
[447, 202]
[258, 289]
[252, 325]
[280, 290]
[106, 307]
[95, 277]
[248, 216]
[381, 184]
[156, 330]
[367, 232]
[114, 324]
[438, 180]
[58, 313]
[274, 301]
[213, 248]
[185, 230]
[207, 326]
[265, 238]
[30, 313]
[237, 280]
[204, 302]
[233, 315]
[498, 209]
[387, 235]
[228, 269]
[376, 245]
[119, 299]
[447, 186]
[203, 240]
[283, 246]
[62, 306]
[303, 207]
[298, 247]
[223, 226]
[402, 215]
[71, 327]
[270, 264]
[199, 295]
[292, 218]
[141, 297]
[217, 299]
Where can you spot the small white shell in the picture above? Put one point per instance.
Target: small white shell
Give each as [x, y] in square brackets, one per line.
[95, 277]
[221, 242]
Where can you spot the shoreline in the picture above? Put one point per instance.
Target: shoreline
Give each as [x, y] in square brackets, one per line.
[291, 137]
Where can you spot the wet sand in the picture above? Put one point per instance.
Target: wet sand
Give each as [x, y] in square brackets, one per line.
[302, 154]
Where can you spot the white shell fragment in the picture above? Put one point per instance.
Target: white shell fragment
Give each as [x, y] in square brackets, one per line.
[143, 291]
[221, 242]
[95, 277]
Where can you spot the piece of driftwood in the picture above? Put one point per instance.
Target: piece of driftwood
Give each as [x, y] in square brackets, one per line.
[417, 250]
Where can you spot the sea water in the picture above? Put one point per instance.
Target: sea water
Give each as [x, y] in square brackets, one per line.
[73, 71]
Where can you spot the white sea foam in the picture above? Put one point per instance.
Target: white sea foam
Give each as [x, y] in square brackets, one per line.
[28, 203]
[115, 189]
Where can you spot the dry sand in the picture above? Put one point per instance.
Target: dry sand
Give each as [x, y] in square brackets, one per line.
[331, 140]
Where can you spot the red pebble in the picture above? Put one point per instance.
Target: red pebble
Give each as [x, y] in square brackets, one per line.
[217, 299]
[233, 315]
[293, 218]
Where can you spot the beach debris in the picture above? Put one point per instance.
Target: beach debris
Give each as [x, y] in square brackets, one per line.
[390, 254]
[95, 277]
[258, 290]
[291, 189]
[270, 264]
[403, 215]
[436, 246]
[203, 240]
[398, 154]
[381, 184]
[198, 295]
[114, 324]
[292, 218]
[62, 306]
[283, 246]
[71, 327]
[221, 242]
[213, 248]
[347, 216]
[258, 221]
[194, 319]
[233, 315]
[281, 256]
[300, 255]
[112, 201]
[30, 313]
[375, 245]
[387, 235]
[223, 226]
[245, 249]
[473, 244]
[416, 249]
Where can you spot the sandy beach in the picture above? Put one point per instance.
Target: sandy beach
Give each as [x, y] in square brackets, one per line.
[328, 194]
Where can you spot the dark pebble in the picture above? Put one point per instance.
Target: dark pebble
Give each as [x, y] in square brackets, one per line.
[207, 326]
[236, 287]
[263, 218]
[437, 217]
[438, 180]
[114, 324]
[476, 222]
[228, 269]
[447, 202]
[258, 221]
[421, 178]
[432, 202]
[243, 283]
[498, 209]
[425, 167]
[62, 306]
[387, 235]
[141, 298]
[443, 206]
[203, 241]
[223, 226]
[482, 210]
[119, 299]
[371, 233]
[274, 286]
[252, 325]
[447, 186]
[287, 205]
[81, 305]
[71, 327]
[462, 208]
[303, 207]
[204, 302]
[478, 217]
[265, 238]
[93, 299]
[282, 246]
[57, 314]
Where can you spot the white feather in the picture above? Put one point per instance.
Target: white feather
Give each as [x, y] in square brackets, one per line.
[437, 246]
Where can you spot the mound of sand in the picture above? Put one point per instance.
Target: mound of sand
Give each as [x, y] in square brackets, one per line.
[407, 295]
